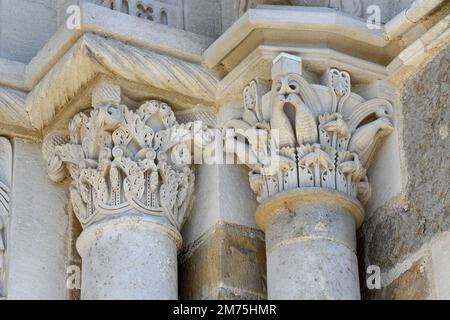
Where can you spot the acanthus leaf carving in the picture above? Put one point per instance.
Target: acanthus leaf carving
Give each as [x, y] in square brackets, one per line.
[315, 135]
[123, 160]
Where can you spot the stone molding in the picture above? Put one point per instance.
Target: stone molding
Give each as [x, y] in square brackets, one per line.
[5, 186]
[290, 19]
[126, 222]
[123, 160]
[290, 198]
[327, 141]
[12, 106]
[14, 119]
[93, 55]
[89, 57]
[58, 73]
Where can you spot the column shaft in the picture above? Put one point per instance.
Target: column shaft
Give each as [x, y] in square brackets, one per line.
[311, 254]
[129, 258]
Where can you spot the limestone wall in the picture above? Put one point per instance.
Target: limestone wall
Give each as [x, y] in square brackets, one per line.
[408, 237]
[25, 26]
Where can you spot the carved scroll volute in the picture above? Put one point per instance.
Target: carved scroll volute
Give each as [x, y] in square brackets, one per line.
[327, 139]
[5, 185]
[124, 160]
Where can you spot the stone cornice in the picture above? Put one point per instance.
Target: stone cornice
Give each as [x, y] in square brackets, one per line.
[93, 55]
[340, 37]
[168, 59]
[14, 119]
[90, 56]
[289, 20]
[259, 62]
[17, 79]
[112, 24]
[13, 111]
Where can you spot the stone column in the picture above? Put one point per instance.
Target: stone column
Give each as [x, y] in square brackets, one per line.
[311, 245]
[308, 147]
[130, 257]
[131, 188]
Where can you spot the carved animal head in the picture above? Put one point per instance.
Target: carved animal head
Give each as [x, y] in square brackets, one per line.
[286, 85]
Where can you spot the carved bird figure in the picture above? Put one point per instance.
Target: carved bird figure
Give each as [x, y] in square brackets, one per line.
[305, 122]
[280, 122]
[366, 138]
[339, 126]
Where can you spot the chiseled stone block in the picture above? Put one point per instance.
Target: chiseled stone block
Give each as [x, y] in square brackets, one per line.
[227, 263]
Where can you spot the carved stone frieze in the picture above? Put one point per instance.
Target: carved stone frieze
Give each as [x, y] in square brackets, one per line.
[5, 185]
[308, 135]
[123, 160]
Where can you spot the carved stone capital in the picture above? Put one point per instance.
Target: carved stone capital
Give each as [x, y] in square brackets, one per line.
[309, 135]
[124, 160]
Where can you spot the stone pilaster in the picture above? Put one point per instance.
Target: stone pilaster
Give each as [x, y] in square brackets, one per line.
[5, 185]
[131, 190]
[308, 147]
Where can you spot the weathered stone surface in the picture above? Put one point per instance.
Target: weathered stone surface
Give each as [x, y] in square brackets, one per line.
[227, 263]
[311, 254]
[198, 55]
[21, 37]
[403, 225]
[37, 231]
[311, 172]
[131, 258]
[440, 258]
[72, 256]
[6, 157]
